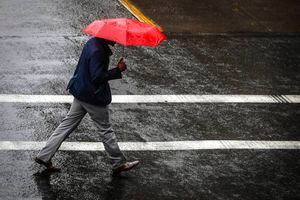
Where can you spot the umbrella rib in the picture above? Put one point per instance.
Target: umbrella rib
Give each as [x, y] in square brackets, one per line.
[126, 33]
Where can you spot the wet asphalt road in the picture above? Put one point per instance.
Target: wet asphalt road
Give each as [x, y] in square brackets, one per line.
[226, 16]
[41, 41]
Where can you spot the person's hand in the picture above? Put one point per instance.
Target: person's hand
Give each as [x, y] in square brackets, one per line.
[121, 65]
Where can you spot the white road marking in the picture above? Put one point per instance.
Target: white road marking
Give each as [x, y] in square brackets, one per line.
[157, 146]
[18, 98]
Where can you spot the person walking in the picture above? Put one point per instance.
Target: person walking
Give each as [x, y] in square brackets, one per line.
[90, 88]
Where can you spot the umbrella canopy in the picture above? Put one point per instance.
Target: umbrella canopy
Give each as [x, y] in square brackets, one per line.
[128, 32]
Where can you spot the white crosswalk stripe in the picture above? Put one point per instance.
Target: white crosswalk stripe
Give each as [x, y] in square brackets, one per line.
[157, 146]
[18, 98]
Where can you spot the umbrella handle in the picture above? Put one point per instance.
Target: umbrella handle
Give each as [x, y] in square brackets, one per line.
[123, 54]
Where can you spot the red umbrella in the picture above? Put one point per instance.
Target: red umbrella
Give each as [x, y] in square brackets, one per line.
[128, 32]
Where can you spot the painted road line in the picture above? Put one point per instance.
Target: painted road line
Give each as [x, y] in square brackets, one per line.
[157, 146]
[16, 98]
[138, 14]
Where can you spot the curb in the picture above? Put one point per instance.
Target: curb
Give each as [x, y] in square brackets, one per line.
[138, 14]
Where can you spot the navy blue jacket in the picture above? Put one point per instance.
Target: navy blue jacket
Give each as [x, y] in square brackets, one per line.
[90, 80]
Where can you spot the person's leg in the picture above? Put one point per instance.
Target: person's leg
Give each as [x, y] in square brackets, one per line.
[69, 123]
[100, 116]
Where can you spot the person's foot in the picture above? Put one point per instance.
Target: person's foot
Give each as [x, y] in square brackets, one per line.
[125, 167]
[48, 165]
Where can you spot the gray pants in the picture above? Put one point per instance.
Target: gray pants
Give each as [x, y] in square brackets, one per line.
[100, 115]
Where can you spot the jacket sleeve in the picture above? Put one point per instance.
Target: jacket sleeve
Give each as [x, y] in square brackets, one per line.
[97, 69]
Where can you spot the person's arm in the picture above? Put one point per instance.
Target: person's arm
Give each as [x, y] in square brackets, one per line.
[96, 67]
